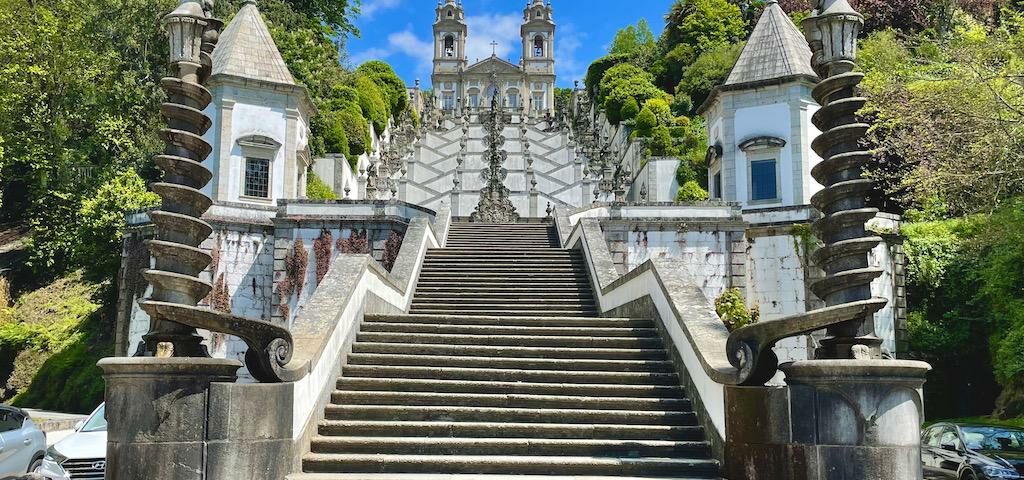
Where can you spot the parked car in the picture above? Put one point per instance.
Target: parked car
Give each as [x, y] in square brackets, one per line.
[22, 444]
[82, 455]
[973, 452]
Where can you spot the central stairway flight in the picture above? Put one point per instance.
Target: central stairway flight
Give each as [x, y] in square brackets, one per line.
[504, 368]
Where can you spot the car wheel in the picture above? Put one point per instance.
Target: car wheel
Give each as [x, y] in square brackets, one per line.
[968, 476]
[35, 465]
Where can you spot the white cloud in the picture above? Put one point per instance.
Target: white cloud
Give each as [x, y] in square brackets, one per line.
[495, 27]
[568, 67]
[371, 7]
[404, 43]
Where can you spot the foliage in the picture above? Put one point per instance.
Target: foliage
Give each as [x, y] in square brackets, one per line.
[691, 191]
[626, 82]
[316, 189]
[645, 122]
[390, 85]
[357, 131]
[661, 110]
[948, 114]
[322, 252]
[693, 27]
[709, 70]
[630, 109]
[661, 141]
[52, 337]
[392, 247]
[731, 306]
[634, 40]
[563, 100]
[599, 67]
[356, 243]
[372, 102]
[102, 220]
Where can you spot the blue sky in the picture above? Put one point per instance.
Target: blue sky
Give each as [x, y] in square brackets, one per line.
[400, 32]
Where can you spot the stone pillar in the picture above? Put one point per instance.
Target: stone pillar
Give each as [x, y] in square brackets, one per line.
[836, 420]
[158, 412]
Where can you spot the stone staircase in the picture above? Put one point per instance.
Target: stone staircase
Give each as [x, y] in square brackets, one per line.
[504, 370]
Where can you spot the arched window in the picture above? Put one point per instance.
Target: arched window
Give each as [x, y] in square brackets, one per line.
[538, 46]
[449, 46]
[451, 13]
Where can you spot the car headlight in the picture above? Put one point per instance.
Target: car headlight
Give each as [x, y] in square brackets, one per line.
[992, 471]
[54, 456]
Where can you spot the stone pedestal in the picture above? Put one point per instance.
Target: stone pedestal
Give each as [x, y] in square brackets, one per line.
[836, 420]
[157, 413]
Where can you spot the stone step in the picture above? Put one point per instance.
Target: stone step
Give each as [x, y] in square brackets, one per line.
[511, 292]
[505, 309]
[463, 275]
[508, 270]
[564, 465]
[445, 476]
[514, 363]
[525, 321]
[518, 303]
[448, 429]
[512, 446]
[364, 397]
[513, 340]
[510, 375]
[468, 286]
[506, 330]
[492, 414]
[505, 263]
[505, 388]
[502, 351]
[507, 252]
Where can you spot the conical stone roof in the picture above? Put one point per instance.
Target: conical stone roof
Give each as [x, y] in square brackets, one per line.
[246, 49]
[776, 49]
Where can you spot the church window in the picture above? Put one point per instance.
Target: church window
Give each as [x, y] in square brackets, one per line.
[716, 187]
[448, 101]
[538, 102]
[451, 13]
[513, 99]
[763, 180]
[538, 46]
[257, 177]
[449, 46]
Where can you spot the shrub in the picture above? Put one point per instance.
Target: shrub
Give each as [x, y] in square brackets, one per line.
[619, 75]
[334, 137]
[372, 103]
[691, 191]
[597, 70]
[732, 308]
[101, 221]
[661, 141]
[709, 70]
[645, 122]
[640, 91]
[677, 132]
[630, 109]
[390, 84]
[662, 112]
[357, 131]
[317, 189]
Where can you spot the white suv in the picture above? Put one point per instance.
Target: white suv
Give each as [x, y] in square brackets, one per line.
[80, 456]
[22, 444]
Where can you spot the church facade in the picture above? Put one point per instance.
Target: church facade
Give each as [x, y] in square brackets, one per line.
[530, 84]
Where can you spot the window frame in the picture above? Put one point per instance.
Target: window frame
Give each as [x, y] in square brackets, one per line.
[761, 157]
[257, 147]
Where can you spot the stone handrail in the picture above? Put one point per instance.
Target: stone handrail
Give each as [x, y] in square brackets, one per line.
[712, 356]
[698, 336]
[354, 286]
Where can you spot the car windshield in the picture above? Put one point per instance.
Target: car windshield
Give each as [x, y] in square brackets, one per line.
[97, 422]
[993, 438]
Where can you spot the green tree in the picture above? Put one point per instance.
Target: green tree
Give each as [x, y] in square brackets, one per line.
[633, 40]
[645, 122]
[372, 102]
[630, 109]
[390, 85]
[691, 28]
[102, 220]
[708, 71]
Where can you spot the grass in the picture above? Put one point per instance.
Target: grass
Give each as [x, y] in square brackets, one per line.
[50, 341]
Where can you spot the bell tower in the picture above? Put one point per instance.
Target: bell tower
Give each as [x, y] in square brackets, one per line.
[538, 34]
[450, 33]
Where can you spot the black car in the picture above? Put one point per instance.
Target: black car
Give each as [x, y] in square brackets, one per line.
[963, 451]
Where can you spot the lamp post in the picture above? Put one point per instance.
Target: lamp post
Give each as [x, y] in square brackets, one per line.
[832, 35]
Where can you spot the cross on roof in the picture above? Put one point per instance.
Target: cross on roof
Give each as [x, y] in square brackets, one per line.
[494, 48]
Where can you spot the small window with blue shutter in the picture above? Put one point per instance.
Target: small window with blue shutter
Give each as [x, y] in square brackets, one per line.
[763, 180]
